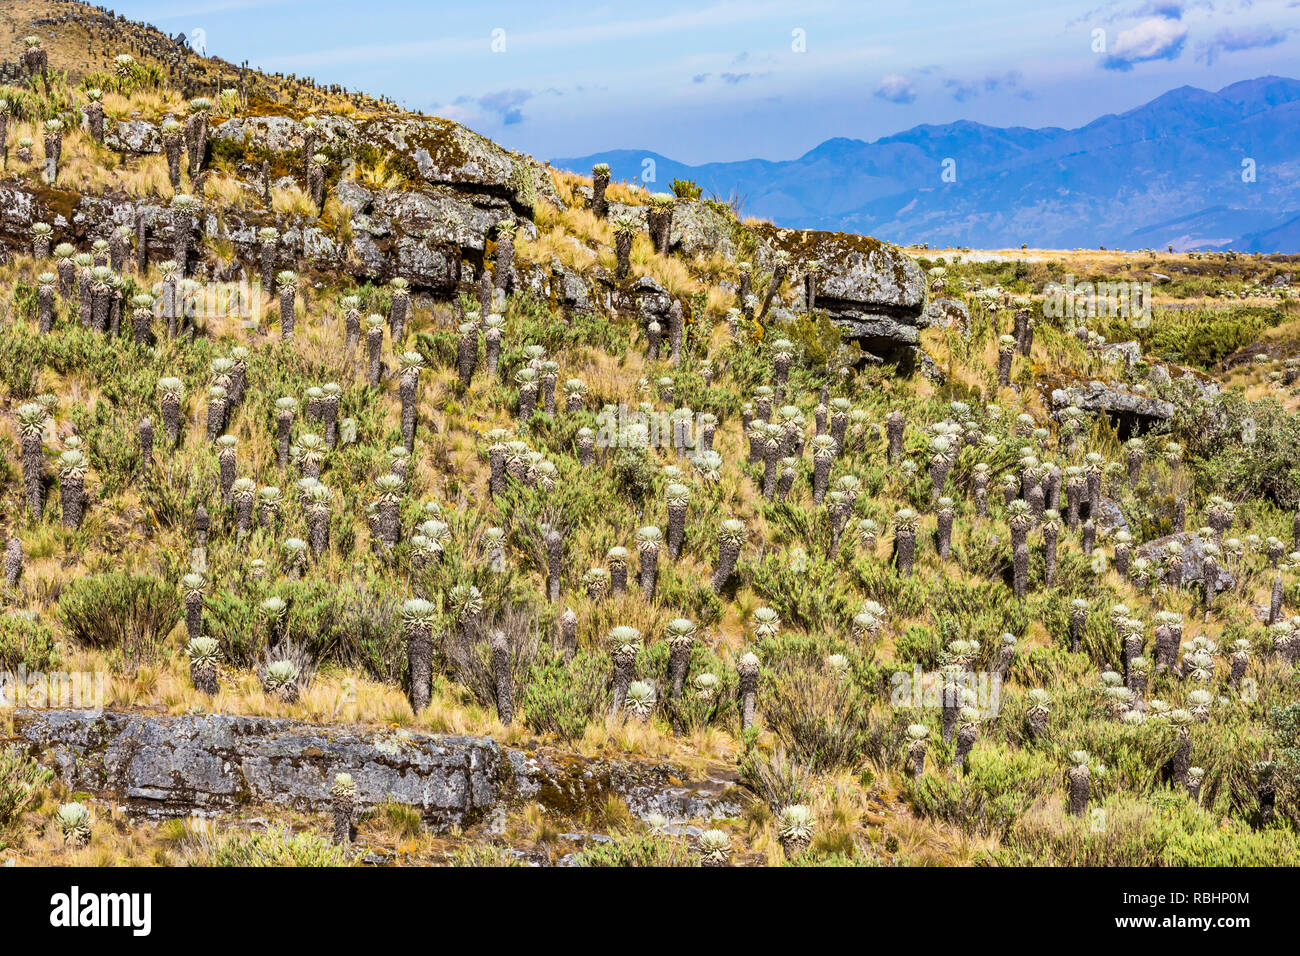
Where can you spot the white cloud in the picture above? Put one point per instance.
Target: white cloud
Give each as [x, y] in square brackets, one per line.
[895, 88]
[1157, 38]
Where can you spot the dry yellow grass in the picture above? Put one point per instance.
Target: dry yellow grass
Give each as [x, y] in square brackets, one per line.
[293, 201]
[228, 192]
[86, 166]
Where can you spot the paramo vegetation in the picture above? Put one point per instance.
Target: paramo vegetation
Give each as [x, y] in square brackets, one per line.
[954, 609]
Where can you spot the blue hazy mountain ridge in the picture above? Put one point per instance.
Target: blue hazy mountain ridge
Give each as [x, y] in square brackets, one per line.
[1175, 171]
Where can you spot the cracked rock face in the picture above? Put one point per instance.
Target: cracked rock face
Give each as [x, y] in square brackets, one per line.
[871, 289]
[564, 783]
[1142, 413]
[163, 766]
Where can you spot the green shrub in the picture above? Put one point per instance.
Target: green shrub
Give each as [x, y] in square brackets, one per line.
[275, 847]
[21, 359]
[808, 597]
[634, 473]
[1285, 723]
[998, 786]
[559, 698]
[920, 646]
[716, 708]
[823, 721]
[26, 643]
[815, 336]
[1125, 831]
[1200, 337]
[641, 850]
[686, 189]
[483, 854]
[21, 780]
[355, 625]
[1244, 449]
[129, 614]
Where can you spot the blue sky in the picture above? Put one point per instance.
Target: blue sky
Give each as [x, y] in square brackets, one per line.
[725, 80]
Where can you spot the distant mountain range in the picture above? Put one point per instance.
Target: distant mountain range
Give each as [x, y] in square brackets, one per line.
[1167, 173]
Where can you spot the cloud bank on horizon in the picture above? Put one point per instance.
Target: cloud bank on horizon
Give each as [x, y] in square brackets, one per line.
[724, 79]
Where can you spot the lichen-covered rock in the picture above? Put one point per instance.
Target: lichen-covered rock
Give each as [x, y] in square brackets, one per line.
[1137, 413]
[428, 265]
[862, 273]
[575, 786]
[930, 369]
[1109, 516]
[559, 285]
[648, 298]
[698, 228]
[176, 765]
[572, 291]
[282, 134]
[18, 210]
[427, 150]
[173, 766]
[1192, 562]
[948, 314]
[134, 136]
[442, 215]
[871, 289]
[1128, 353]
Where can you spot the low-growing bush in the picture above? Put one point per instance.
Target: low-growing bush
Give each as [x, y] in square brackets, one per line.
[357, 625]
[275, 847]
[641, 850]
[560, 697]
[26, 643]
[128, 614]
[996, 789]
[1124, 831]
[822, 720]
[21, 780]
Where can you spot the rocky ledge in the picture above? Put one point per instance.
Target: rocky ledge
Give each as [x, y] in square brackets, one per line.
[162, 766]
[422, 198]
[873, 290]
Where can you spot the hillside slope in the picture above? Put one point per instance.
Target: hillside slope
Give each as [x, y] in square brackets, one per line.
[501, 516]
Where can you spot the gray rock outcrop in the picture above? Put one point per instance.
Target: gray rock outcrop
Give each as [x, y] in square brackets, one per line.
[1191, 563]
[873, 290]
[164, 766]
[1135, 413]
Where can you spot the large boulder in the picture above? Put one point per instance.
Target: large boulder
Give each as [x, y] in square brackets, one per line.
[438, 214]
[133, 136]
[559, 285]
[649, 299]
[1109, 517]
[871, 289]
[282, 134]
[422, 150]
[700, 229]
[1192, 561]
[1134, 414]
